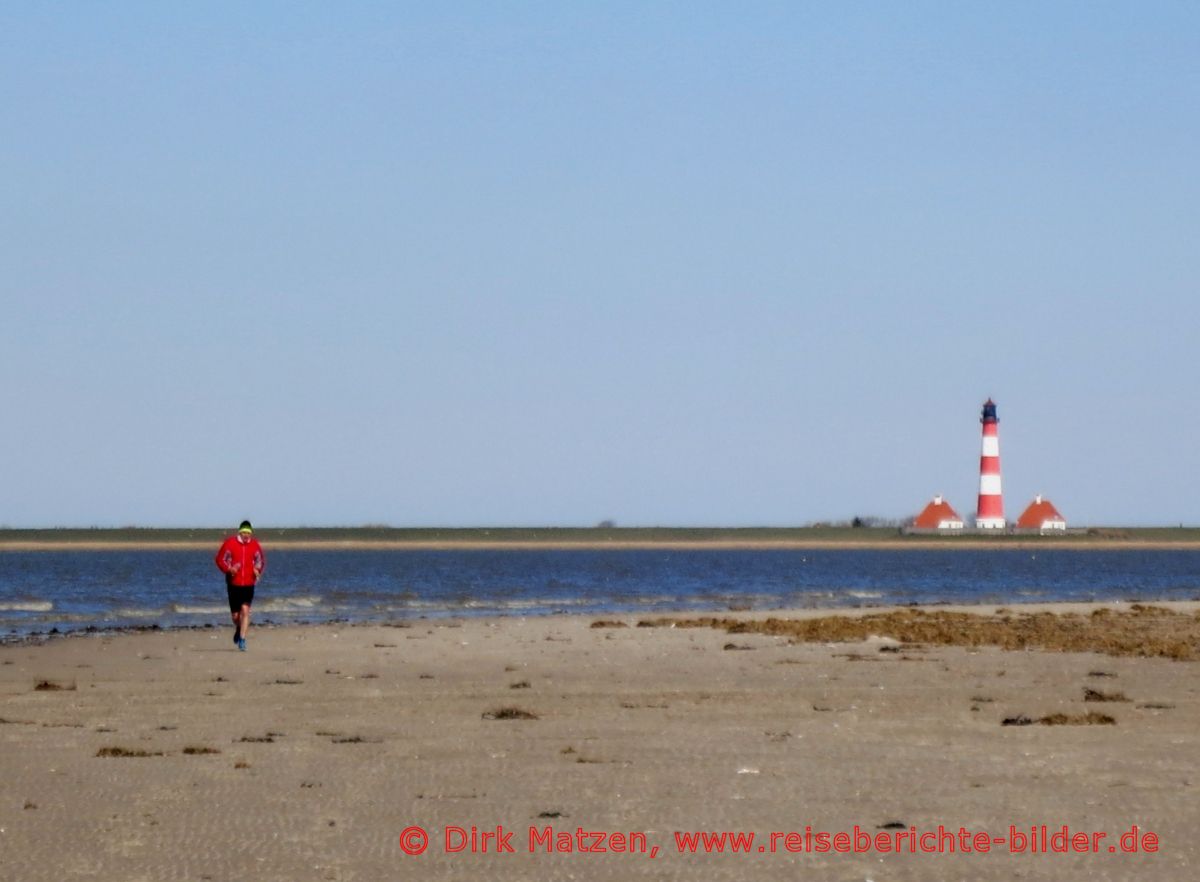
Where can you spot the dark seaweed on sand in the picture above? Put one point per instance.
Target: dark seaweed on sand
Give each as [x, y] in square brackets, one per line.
[125, 752]
[1089, 719]
[510, 713]
[1141, 631]
[1097, 695]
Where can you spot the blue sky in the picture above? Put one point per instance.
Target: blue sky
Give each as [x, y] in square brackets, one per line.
[551, 263]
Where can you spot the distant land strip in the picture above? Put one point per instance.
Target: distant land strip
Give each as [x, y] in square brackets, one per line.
[566, 538]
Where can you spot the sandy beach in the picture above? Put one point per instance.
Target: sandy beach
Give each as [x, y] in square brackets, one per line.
[320, 751]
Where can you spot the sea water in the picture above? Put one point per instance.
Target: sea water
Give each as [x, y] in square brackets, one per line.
[76, 590]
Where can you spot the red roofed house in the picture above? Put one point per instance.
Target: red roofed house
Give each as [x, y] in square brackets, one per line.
[938, 515]
[1041, 515]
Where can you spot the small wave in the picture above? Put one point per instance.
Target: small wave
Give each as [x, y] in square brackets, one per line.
[654, 599]
[742, 600]
[527, 603]
[130, 613]
[60, 618]
[486, 603]
[289, 604]
[865, 595]
[27, 606]
[184, 609]
[421, 604]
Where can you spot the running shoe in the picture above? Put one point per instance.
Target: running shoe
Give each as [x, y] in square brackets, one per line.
[242, 644]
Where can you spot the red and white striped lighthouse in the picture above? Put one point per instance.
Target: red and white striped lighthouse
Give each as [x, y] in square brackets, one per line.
[989, 513]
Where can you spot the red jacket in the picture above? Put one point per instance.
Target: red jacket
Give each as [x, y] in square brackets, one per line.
[241, 561]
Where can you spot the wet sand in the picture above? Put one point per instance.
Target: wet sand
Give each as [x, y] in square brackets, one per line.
[172, 756]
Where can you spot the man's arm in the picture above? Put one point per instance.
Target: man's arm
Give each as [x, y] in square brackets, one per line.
[224, 558]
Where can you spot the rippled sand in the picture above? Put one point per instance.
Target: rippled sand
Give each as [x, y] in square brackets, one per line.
[167, 756]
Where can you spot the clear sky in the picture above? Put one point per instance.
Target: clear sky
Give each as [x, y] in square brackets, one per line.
[551, 263]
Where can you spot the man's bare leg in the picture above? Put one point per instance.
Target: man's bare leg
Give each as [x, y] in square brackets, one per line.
[243, 622]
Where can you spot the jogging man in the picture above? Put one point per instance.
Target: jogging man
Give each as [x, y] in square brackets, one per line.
[241, 559]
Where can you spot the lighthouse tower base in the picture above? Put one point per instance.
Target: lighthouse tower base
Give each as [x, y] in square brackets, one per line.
[990, 524]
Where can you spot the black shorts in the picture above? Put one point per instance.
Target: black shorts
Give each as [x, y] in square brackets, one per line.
[239, 594]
